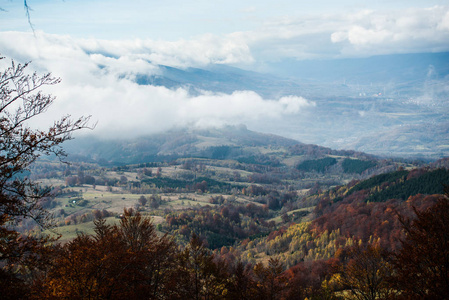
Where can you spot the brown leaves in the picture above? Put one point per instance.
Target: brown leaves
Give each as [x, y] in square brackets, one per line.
[124, 261]
[423, 262]
[366, 273]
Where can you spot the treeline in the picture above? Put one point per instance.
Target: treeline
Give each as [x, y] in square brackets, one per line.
[221, 225]
[400, 185]
[319, 151]
[430, 182]
[349, 165]
[318, 165]
[356, 165]
[228, 221]
[202, 184]
[381, 180]
[294, 244]
[260, 160]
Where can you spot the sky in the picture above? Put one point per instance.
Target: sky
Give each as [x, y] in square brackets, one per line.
[176, 19]
[97, 48]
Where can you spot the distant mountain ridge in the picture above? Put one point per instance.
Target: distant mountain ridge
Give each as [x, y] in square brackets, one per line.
[222, 79]
[173, 144]
[396, 68]
[305, 76]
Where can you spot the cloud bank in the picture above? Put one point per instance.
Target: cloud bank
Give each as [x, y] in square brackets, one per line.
[98, 80]
[413, 30]
[358, 34]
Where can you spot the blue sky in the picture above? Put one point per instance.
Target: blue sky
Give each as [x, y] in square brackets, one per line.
[97, 48]
[175, 19]
[270, 30]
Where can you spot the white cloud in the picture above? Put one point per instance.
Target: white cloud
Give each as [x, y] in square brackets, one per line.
[97, 80]
[246, 106]
[361, 33]
[294, 104]
[444, 24]
[199, 51]
[412, 30]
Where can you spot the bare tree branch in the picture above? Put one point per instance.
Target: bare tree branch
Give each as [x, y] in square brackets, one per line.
[20, 145]
[27, 12]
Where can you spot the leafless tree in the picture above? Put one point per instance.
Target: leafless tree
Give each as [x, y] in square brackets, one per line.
[21, 100]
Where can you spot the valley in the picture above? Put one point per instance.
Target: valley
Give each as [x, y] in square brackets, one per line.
[248, 169]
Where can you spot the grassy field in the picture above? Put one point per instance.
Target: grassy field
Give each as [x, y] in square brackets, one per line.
[278, 219]
[69, 232]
